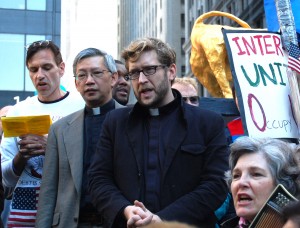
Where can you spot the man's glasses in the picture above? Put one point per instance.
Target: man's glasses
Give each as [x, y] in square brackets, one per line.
[40, 43]
[147, 71]
[83, 76]
[192, 99]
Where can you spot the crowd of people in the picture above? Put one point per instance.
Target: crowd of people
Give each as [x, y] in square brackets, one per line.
[161, 162]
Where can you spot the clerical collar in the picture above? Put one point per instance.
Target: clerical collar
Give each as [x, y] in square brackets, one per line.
[167, 108]
[100, 110]
[154, 111]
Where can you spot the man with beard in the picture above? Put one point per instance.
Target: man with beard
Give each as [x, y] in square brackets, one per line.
[161, 159]
[121, 89]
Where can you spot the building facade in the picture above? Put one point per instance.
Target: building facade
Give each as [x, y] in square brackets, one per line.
[163, 19]
[22, 22]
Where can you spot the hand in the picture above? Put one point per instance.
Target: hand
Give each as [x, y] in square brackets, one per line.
[138, 215]
[155, 218]
[32, 145]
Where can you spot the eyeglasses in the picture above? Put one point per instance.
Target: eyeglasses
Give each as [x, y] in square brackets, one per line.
[192, 99]
[147, 71]
[82, 76]
[40, 43]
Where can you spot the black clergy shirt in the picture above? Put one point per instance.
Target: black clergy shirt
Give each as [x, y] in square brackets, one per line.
[93, 120]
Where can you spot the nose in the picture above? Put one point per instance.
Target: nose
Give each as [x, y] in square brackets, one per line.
[122, 80]
[142, 78]
[90, 79]
[243, 181]
[40, 74]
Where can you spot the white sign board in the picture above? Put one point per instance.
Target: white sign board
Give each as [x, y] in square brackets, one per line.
[259, 68]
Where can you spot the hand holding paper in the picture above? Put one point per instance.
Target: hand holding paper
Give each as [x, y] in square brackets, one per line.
[32, 145]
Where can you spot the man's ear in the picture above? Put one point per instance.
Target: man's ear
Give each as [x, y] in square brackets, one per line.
[76, 84]
[172, 72]
[62, 68]
[114, 78]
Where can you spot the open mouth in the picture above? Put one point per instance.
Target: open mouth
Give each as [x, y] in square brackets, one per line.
[241, 199]
[145, 90]
[42, 84]
[244, 198]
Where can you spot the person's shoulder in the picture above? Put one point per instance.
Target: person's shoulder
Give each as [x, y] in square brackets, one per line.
[119, 114]
[122, 110]
[69, 118]
[75, 98]
[201, 112]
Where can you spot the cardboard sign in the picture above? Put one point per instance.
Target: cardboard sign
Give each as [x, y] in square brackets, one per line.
[259, 69]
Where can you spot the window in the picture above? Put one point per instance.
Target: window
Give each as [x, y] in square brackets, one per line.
[182, 70]
[12, 64]
[160, 25]
[182, 20]
[23, 4]
[12, 61]
[36, 5]
[182, 44]
[9, 4]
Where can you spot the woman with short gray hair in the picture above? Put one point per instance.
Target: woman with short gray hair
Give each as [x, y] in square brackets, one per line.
[257, 166]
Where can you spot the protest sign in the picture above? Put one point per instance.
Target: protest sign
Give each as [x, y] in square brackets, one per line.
[259, 69]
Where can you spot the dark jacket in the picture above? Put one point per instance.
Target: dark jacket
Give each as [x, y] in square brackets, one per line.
[231, 223]
[192, 183]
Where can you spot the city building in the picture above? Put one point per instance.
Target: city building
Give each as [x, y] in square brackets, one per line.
[22, 22]
[163, 19]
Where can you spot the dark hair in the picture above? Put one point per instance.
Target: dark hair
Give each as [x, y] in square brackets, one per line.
[36, 46]
[91, 52]
[165, 54]
[280, 157]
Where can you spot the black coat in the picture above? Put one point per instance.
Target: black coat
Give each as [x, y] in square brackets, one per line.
[192, 183]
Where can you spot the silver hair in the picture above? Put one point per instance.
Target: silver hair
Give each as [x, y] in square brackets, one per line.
[280, 157]
[109, 61]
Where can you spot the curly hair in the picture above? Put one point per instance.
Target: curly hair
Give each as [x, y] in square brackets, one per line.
[165, 54]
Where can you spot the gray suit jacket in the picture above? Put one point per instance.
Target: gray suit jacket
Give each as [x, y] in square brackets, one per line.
[59, 199]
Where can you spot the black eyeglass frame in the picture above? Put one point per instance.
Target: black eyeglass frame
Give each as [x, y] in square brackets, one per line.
[136, 73]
